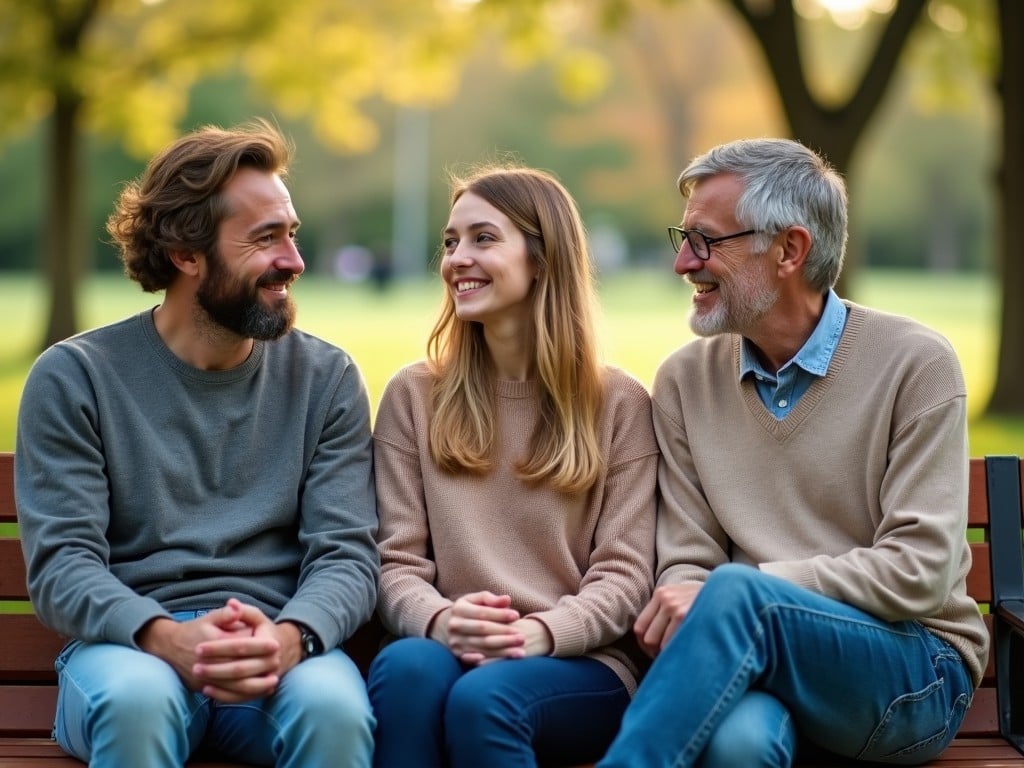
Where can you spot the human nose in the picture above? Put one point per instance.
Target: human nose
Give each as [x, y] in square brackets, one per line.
[459, 256]
[686, 260]
[291, 259]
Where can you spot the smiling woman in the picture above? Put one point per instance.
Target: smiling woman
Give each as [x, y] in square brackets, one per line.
[503, 534]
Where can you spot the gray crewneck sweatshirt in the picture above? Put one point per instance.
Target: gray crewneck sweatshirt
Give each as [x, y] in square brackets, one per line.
[146, 486]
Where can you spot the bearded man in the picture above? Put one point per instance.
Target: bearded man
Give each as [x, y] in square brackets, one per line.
[195, 490]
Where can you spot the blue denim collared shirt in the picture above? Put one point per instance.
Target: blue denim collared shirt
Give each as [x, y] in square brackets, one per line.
[780, 391]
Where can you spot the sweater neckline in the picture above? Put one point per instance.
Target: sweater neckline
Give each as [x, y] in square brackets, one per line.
[783, 428]
[178, 365]
[514, 390]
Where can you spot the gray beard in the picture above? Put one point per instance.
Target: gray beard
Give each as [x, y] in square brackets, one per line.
[730, 316]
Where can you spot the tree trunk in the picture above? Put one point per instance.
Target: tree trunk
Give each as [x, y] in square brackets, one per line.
[834, 131]
[63, 258]
[1007, 396]
[64, 247]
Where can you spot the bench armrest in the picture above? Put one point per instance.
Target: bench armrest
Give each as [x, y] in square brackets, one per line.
[1003, 481]
[1009, 650]
[1012, 612]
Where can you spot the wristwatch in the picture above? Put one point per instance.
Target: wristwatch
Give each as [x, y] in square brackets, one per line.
[309, 642]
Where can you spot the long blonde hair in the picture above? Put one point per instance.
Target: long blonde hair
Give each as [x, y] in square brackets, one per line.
[564, 448]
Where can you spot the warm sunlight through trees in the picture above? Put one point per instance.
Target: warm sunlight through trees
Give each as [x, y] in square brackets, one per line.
[124, 68]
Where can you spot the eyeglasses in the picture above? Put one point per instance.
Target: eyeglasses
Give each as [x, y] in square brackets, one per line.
[700, 243]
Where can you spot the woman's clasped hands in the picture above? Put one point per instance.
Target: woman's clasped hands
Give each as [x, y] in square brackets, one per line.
[481, 627]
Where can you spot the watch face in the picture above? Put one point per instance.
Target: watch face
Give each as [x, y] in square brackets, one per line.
[310, 644]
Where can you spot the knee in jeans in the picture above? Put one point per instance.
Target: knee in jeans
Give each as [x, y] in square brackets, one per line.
[327, 699]
[336, 712]
[350, 716]
[733, 583]
[342, 722]
[734, 575]
[757, 733]
[149, 694]
[409, 661]
[474, 700]
[749, 749]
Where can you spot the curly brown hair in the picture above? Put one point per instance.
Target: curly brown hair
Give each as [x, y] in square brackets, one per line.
[177, 203]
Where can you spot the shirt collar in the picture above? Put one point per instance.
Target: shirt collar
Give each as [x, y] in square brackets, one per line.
[816, 353]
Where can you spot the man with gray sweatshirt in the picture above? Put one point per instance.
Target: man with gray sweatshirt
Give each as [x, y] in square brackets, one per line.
[195, 488]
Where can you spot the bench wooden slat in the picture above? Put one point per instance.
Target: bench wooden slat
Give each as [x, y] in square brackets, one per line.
[12, 570]
[28, 710]
[7, 513]
[40, 753]
[979, 578]
[977, 499]
[962, 753]
[982, 718]
[27, 651]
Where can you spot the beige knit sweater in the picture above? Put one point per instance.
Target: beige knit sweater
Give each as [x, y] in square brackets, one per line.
[860, 493]
[582, 565]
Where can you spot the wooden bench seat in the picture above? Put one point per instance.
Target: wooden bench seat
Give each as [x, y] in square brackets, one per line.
[992, 735]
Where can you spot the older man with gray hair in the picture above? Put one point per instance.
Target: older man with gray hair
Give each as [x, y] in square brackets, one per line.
[811, 534]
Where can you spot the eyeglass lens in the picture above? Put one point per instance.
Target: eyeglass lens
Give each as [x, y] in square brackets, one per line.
[698, 244]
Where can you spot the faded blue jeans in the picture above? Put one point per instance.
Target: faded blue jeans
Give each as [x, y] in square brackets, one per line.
[433, 711]
[119, 707]
[760, 665]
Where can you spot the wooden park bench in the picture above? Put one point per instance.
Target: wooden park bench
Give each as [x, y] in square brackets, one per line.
[992, 735]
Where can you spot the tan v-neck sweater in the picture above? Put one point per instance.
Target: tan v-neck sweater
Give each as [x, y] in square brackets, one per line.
[860, 493]
[583, 564]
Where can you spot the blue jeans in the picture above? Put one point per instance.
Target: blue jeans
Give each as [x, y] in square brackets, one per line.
[434, 711]
[761, 664]
[118, 707]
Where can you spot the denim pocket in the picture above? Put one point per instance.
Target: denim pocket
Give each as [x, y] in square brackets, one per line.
[65, 653]
[918, 726]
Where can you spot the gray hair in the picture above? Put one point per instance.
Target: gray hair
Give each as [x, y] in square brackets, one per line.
[786, 184]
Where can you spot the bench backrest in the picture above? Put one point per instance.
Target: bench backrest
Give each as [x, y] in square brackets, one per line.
[27, 649]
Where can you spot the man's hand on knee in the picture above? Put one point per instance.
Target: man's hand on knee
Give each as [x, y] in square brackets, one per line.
[661, 617]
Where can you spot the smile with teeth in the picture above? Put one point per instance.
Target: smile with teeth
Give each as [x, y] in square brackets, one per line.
[704, 287]
[280, 289]
[468, 285]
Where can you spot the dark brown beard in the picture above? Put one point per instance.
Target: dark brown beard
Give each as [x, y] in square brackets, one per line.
[236, 306]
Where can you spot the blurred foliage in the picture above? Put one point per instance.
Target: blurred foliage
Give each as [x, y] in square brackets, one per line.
[614, 96]
[132, 62]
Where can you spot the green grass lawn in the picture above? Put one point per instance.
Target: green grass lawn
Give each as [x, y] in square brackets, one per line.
[644, 318]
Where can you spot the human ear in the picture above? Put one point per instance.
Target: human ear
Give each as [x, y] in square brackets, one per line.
[795, 243]
[186, 261]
